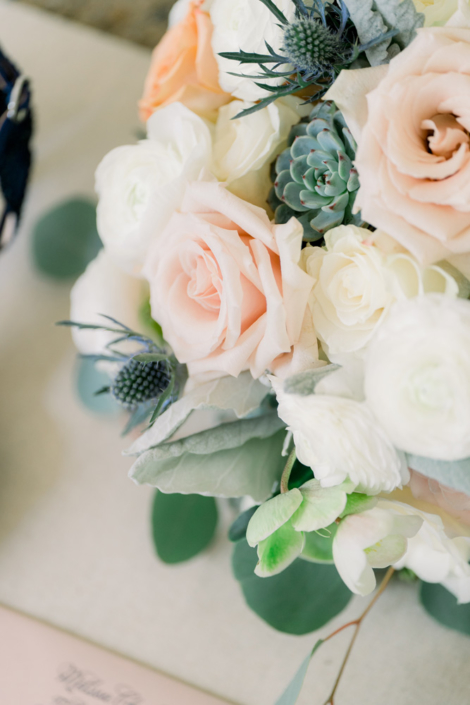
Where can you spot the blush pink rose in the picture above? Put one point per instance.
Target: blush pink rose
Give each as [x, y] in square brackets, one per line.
[414, 150]
[455, 503]
[227, 289]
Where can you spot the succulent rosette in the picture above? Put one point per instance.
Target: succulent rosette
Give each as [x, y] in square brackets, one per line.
[315, 177]
[285, 283]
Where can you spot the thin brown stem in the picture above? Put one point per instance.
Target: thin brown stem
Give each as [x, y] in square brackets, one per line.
[287, 471]
[357, 624]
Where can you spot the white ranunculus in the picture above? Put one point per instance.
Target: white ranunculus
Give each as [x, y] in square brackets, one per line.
[436, 12]
[340, 439]
[245, 147]
[375, 538]
[356, 283]
[104, 288]
[246, 25]
[417, 376]
[436, 554]
[139, 186]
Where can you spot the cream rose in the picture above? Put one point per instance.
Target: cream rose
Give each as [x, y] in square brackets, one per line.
[436, 12]
[411, 121]
[245, 147]
[356, 283]
[104, 288]
[226, 287]
[139, 186]
[246, 25]
[340, 439]
[417, 376]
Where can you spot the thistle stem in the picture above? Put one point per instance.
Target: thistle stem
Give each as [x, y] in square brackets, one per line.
[357, 625]
[287, 471]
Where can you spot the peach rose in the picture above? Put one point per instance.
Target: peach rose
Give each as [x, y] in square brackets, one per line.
[455, 503]
[413, 157]
[184, 68]
[227, 289]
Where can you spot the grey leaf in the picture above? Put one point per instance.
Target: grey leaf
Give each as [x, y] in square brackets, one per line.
[304, 383]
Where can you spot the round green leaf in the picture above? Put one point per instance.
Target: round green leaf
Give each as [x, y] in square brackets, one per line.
[237, 531]
[183, 525]
[65, 239]
[299, 600]
[442, 605]
[88, 381]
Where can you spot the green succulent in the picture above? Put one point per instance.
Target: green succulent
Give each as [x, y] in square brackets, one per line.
[314, 178]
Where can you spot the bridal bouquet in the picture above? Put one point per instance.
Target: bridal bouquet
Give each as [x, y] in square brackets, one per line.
[281, 301]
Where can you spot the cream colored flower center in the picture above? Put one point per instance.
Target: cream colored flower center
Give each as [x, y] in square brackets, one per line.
[205, 280]
[445, 135]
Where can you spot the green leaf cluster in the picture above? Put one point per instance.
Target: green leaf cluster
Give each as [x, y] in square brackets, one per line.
[373, 18]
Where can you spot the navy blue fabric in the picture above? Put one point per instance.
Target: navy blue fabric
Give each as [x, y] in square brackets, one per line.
[16, 127]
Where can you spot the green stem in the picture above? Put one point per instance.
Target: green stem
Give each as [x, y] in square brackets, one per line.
[287, 471]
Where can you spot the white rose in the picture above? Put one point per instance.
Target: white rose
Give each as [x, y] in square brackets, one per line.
[356, 283]
[245, 147]
[436, 12]
[246, 25]
[340, 439]
[104, 288]
[376, 538]
[417, 376]
[139, 186]
[436, 554]
[461, 18]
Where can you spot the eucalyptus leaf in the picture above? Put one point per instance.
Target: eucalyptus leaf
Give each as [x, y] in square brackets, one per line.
[373, 18]
[65, 239]
[292, 692]
[88, 380]
[443, 606]
[237, 531]
[242, 394]
[454, 474]
[304, 383]
[319, 592]
[182, 525]
[251, 469]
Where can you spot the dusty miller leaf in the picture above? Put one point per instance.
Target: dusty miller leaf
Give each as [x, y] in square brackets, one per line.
[375, 17]
[243, 394]
[304, 383]
[250, 469]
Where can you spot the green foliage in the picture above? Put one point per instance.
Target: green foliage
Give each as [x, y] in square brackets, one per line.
[319, 545]
[242, 394]
[315, 178]
[65, 239]
[292, 692]
[357, 502]
[455, 474]
[250, 469]
[88, 380]
[237, 531]
[299, 600]
[442, 605]
[304, 383]
[375, 17]
[182, 525]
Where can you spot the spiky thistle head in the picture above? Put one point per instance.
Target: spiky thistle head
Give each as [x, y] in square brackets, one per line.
[309, 45]
[138, 382]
